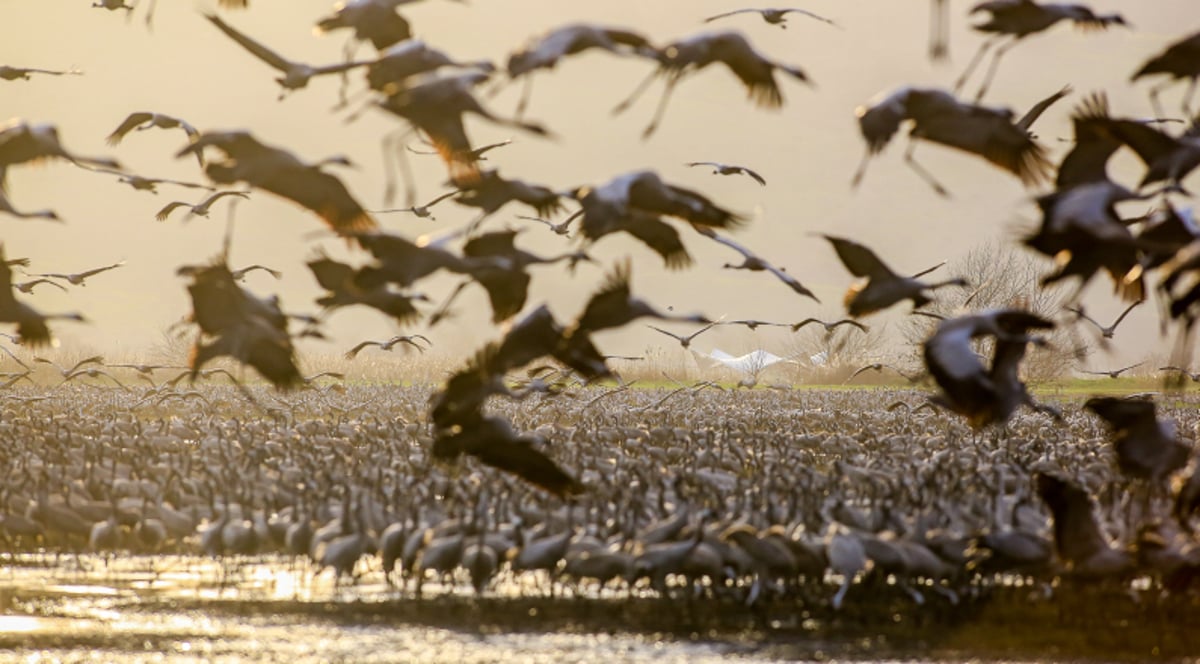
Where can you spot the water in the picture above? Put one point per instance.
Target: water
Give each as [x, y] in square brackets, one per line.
[186, 608]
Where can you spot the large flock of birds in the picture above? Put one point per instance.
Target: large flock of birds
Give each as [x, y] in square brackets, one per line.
[257, 490]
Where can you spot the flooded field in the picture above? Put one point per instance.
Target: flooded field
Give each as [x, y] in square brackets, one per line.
[200, 559]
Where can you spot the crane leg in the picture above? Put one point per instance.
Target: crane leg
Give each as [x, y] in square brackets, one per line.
[526, 91]
[637, 92]
[1187, 100]
[975, 60]
[991, 72]
[921, 170]
[859, 172]
[661, 108]
[444, 310]
[939, 33]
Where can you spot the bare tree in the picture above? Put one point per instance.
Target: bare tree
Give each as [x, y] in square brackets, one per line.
[830, 357]
[1003, 276]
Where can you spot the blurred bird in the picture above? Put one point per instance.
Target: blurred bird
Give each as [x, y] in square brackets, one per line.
[773, 16]
[882, 287]
[1181, 60]
[492, 440]
[1114, 373]
[1106, 331]
[983, 394]
[281, 173]
[78, 278]
[200, 209]
[692, 54]
[8, 73]
[31, 325]
[233, 322]
[295, 74]
[1019, 19]
[633, 202]
[1081, 544]
[1147, 448]
[345, 288]
[376, 21]
[614, 305]
[545, 51]
[755, 263]
[408, 339]
[726, 169]
[937, 116]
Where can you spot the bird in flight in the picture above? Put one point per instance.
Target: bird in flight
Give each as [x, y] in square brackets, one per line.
[1114, 373]
[283, 174]
[241, 273]
[422, 211]
[773, 16]
[200, 209]
[938, 117]
[143, 183]
[880, 366]
[409, 339]
[882, 287]
[684, 340]
[726, 169]
[562, 228]
[27, 286]
[8, 73]
[755, 263]
[1106, 330]
[829, 327]
[295, 74]
[78, 278]
[66, 371]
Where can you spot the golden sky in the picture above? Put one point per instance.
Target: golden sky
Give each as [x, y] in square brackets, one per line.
[807, 151]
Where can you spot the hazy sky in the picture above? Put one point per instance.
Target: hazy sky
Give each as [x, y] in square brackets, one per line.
[807, 152]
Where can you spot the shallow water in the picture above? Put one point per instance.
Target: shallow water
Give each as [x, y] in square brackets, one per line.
[175, 609]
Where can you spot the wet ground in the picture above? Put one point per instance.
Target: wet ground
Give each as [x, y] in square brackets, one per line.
[168, 609]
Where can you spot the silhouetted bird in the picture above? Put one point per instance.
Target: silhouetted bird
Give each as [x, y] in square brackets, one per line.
[694, 53]
[423, 211]
[937, 116]
[1181, 60]
[21, 142]
[755, 263]
[633, 202]
[1114, 373]
[8, 73]
[489, 192]
[375, 21]
[614, 305]
[882, 287]
[78, 278]
[295, 75]
[1106, 331]
[1081, 545]
[435, 104]
[501, 270]
[345, 288]
[408, 58]
[143, 120]
[1147, 448]
[1019, 19]
[983, 394]
[281, 173]
[1081, 230]
[200, 209]
[773, 16]
[235, 323]
[409, 339]
[726, 169]
[545, 51]
[684, 340]
[7, 208]
[31, 325]
[829, 327]
[492, 440]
